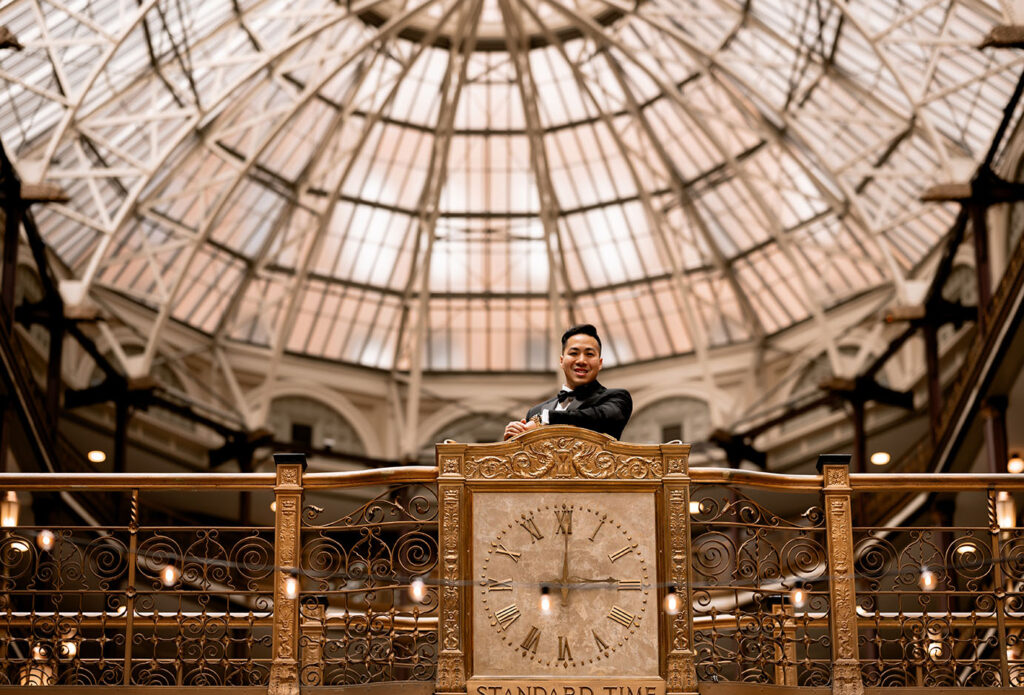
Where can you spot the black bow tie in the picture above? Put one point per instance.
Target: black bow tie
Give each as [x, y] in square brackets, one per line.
[579, 394]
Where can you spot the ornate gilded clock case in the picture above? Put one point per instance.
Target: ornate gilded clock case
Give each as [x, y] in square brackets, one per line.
[558, 549]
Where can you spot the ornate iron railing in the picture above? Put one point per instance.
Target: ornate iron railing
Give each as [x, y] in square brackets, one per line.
[785, 591]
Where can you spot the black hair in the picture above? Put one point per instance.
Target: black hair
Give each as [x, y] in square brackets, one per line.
[584, 329]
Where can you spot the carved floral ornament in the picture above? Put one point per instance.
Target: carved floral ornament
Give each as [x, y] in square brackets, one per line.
[836, 476]
[579, 455]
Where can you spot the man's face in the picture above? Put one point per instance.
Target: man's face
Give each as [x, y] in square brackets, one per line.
[581, 360]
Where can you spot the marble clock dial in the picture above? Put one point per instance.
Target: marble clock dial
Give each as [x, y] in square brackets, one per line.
[565, 583]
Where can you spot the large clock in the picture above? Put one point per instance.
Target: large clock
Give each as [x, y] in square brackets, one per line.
[557, 549]
[564, 583]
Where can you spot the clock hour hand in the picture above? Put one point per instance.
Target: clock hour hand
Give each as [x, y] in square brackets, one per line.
[587, 580]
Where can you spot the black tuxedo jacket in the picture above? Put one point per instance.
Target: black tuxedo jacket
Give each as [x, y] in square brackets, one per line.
[605, 410]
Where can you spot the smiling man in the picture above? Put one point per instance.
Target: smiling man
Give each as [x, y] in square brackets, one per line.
[582, 402]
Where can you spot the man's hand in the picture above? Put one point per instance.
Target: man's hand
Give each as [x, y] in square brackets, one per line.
[518, 427]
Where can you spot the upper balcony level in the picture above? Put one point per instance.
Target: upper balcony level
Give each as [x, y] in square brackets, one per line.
[752, 579]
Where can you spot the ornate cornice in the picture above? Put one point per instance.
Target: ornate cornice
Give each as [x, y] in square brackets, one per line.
[565, 453]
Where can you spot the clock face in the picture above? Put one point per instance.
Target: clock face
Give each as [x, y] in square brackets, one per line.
[564, 583]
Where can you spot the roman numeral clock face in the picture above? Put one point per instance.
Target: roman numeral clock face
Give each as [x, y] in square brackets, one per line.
[563, 584]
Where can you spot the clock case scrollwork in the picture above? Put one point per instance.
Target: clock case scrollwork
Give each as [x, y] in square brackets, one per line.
[563, 459]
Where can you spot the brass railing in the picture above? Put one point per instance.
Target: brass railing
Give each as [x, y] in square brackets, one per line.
[785, 591]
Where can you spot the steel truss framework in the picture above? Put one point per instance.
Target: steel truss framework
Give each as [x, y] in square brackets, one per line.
[420, 185]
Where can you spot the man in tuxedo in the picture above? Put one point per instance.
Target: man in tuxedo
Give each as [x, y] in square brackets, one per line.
[583, 401]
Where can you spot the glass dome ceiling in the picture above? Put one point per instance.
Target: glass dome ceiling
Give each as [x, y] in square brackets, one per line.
[368, 180]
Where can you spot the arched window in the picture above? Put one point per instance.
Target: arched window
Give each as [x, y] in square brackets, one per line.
[678, 417]
[473, 428]
[314, 424]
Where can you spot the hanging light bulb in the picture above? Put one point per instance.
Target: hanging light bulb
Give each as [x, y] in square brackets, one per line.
[927, 579]
[169, 575]
[97, 456]
[1006, 510]
[417, 589]
[68, 647]
[9, 510]
[38, 671]
[881, 458]
[291, 586]
[545, 600]
[1015, 464]
[45, 539]
[671, 601]
[798, 597]
[966, 548]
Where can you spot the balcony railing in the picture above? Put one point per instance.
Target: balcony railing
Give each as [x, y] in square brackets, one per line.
[785, 590]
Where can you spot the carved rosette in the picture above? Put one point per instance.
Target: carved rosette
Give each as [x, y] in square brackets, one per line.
[563, 458]
[450, 669]
[676, 465]
[451, 465]
[838, 518]
[836, 476]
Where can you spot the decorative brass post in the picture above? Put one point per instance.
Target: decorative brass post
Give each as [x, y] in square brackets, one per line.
[999, 586]
[130, 591]
[451, 496]
[680, 668]
[846, 678]
[284, 669]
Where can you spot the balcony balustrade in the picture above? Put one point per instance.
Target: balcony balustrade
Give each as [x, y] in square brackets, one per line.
[786, 589]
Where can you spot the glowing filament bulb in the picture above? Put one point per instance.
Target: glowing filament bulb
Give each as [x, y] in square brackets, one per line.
[671, 601]
[291, 586]
[545, 600]
[1006, 511]
[928, 580]
[169, 575]
[798, 596]
[418, 590]
[45, 539]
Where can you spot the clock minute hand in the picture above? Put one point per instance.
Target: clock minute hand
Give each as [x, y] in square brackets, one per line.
[564, 584]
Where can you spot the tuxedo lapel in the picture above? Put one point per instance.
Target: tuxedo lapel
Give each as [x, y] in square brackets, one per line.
[549, 404]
